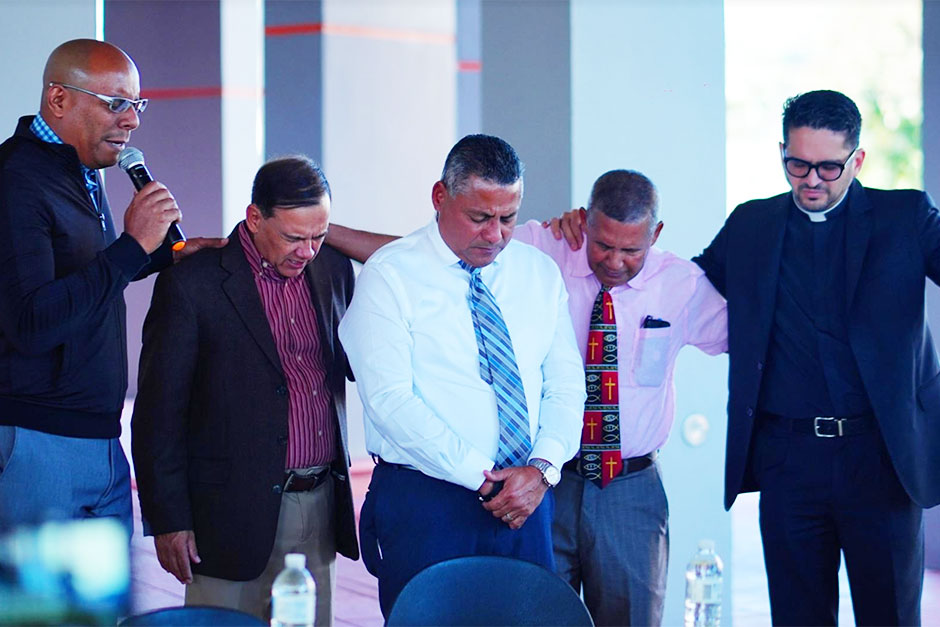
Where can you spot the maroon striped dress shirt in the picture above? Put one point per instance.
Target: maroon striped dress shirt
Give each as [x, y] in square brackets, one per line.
[288, 306]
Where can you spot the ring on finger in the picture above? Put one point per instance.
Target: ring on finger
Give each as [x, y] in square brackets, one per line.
[508, 517]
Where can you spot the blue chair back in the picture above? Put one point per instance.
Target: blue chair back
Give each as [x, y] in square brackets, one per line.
[488, 590]
[195, 615]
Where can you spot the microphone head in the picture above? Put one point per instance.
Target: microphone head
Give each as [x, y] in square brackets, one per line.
[130, 157]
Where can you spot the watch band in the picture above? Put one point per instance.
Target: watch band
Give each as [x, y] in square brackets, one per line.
[550, 475]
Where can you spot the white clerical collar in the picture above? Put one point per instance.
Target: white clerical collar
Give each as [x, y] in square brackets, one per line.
[820, 216]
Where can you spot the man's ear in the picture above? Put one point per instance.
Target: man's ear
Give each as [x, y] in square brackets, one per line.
[438, 192]
[56, 100]
[659, 229]
[253, 218]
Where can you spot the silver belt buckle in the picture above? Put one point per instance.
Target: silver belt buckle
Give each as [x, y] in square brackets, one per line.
[817, 422]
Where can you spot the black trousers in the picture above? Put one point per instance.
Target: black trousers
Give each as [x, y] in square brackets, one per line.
[822, 498]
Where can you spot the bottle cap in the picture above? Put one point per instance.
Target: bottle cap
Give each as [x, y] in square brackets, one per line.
[295, 560]
[706, 545]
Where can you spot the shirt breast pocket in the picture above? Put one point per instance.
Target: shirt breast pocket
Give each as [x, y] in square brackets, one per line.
[651, 356]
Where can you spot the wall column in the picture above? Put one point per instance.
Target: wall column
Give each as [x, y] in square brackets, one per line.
[199, 64]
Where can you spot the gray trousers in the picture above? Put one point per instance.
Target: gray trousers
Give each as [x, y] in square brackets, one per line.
[305, 525]
[614, 543]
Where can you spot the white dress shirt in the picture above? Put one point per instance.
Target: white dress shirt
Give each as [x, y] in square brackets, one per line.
[410, 340]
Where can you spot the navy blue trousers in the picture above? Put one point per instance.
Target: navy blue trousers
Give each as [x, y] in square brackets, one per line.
[410, 521]
[822, 498]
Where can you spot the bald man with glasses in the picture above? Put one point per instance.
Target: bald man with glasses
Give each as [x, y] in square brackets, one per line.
[63, 270]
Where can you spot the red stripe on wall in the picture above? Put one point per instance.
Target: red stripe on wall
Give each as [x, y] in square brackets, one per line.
[365, 32]
[188, 93]
[281, 30]
[181, 93]
[469, 66]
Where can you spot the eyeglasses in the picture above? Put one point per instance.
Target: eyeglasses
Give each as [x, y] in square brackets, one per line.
[116, 104]
[826, 170]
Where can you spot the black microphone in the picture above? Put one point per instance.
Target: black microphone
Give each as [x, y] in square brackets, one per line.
[131, 160]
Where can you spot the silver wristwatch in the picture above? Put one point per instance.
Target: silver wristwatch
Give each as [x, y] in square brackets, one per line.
[550, 475]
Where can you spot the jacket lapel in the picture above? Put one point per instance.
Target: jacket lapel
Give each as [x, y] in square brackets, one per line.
[857, 233]
[767, 251]
[321, 293]
[243, 293]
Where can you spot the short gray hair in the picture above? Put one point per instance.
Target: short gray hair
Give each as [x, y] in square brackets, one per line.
[625, 196]
[485, 156]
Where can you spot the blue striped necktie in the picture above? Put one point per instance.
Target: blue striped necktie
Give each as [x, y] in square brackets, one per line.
[498, 368]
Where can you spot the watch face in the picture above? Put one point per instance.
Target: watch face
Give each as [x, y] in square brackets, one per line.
[552, 476]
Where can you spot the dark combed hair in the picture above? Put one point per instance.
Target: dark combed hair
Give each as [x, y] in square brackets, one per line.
[490, 158]
[625, 196]
[288, 183]
[824, 109]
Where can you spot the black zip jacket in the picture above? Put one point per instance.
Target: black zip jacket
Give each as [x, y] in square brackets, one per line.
[63, 345]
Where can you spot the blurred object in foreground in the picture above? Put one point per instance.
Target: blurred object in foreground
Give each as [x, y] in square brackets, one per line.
[75, 572]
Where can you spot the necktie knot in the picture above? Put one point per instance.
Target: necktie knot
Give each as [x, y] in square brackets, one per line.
[91, 181]
[473, 270]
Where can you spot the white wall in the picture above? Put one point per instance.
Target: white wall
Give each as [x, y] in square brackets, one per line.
[29, 31]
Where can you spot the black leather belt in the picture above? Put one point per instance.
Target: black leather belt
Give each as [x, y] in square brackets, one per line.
[381, 462]
[631, 464]
[824, 426]
[304, 483]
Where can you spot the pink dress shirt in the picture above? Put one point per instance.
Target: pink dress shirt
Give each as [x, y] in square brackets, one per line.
[668, 288]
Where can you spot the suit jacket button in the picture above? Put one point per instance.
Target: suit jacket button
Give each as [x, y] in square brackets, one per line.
[750, 411]
[276, 489]
[281, 390]
[282, 439]
[760, 366]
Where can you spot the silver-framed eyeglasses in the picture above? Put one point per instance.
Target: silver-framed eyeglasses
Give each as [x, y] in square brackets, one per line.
[826, 170]
[116, 104]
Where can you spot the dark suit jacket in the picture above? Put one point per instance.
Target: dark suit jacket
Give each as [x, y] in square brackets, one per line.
[210, 421]
[892, 244]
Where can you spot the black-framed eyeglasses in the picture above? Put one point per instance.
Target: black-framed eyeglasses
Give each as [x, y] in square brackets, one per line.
[826, 170]
[116, 104]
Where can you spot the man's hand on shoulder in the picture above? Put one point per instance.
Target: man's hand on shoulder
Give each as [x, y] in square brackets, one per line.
[176, 550]
[570, 226]
[195, 244]
[523, 490]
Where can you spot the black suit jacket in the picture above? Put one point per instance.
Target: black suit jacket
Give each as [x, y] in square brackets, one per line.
[210, 420]
[892, 244]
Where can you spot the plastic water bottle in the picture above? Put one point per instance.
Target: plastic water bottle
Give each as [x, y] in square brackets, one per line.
[703, 587]
[294, 594]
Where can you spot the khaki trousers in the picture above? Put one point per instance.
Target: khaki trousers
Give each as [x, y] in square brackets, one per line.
[305, 525]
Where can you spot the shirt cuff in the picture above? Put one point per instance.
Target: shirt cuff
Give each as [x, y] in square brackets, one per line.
[470, 472]
[549, 450]
[127, 255]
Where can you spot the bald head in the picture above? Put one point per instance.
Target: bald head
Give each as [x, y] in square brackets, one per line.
[76, 60]
[81, 119]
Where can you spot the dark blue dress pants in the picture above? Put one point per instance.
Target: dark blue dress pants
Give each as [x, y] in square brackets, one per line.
[410, 521]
